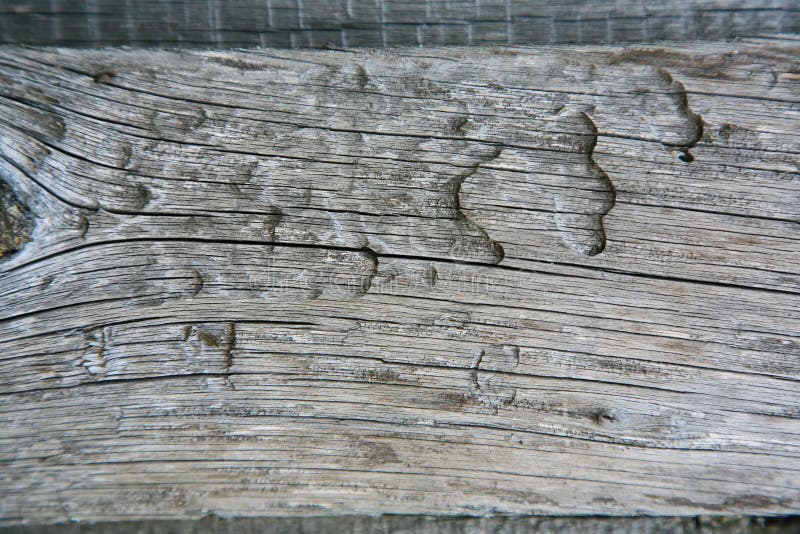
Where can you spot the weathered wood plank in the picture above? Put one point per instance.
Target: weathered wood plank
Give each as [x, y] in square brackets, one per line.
[449, 281]
[381, 23]
[429, 524]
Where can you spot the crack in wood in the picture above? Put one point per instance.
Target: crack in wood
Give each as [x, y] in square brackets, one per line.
[473, 137]
[241, 292]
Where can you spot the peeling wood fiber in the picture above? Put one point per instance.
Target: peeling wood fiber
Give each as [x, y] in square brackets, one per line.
[442, 281]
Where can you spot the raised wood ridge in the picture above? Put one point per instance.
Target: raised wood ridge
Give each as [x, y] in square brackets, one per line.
[439, 281]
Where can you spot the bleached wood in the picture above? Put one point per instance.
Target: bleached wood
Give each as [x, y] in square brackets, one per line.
[441, 281]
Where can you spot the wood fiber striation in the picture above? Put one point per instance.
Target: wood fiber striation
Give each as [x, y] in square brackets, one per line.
[445, 281]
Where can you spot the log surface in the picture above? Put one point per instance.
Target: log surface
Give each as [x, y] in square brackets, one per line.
[441, 281]
[387, 23]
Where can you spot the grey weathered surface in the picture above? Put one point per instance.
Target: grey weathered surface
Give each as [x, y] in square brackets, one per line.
[427, 525]
[448, 281]
[380, 23]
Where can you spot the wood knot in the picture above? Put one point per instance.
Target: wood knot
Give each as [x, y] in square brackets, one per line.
[16, 222]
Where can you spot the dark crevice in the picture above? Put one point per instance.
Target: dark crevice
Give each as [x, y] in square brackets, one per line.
[375, 255]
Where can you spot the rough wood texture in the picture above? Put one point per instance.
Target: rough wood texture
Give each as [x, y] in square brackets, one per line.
[450, 281]
[427, 525]
[380, 23]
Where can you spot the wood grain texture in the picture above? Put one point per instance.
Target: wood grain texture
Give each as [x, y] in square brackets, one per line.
[439, 281]
[388, 524]
[386, 23]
